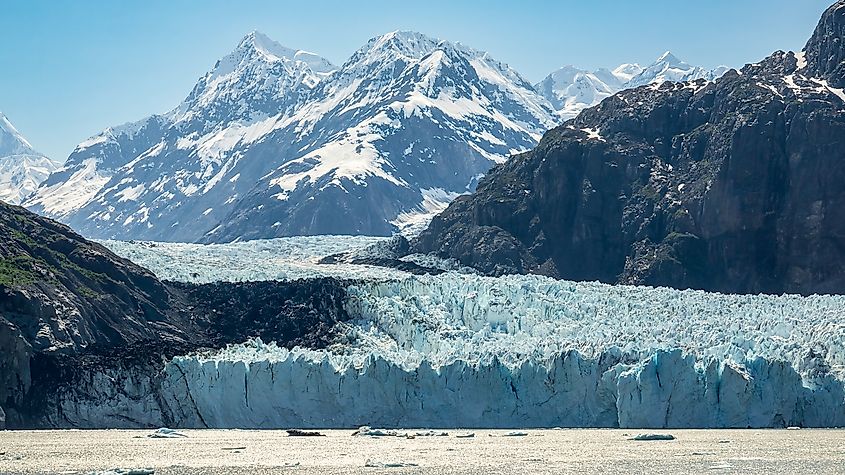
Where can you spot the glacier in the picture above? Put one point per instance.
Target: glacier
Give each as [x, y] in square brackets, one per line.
[463, 350]
[468, 351]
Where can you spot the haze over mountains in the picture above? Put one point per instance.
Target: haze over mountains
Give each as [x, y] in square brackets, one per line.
[22, 168]
[275, 141]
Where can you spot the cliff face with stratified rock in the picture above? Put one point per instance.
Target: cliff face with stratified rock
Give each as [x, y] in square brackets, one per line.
[734, 186]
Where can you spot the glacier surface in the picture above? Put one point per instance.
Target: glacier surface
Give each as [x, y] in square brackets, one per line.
[281, 259]
[462, 350]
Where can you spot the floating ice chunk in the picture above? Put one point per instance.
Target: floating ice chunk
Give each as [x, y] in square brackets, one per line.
[431, 433]
[650, 436]
[367, 431]
[721, 466]
[374, 464]
[125, 471]
[304, 433]
[165, 433]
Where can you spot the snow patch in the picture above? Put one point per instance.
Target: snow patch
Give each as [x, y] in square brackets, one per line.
[593, 134]
[434, 202]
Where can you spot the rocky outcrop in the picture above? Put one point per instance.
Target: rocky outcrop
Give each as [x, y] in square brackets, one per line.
[825, 50]
[72, 314]
[732, 186]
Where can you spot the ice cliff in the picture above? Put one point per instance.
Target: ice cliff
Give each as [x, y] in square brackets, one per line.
[458, 350]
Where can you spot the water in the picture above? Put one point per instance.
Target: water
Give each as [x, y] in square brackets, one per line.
[540, 452]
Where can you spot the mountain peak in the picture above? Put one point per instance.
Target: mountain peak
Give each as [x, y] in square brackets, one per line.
[408, 44]
[261, 43]
[22, 169]
[670, 59]
[11, 141]
[271, 50]
[825, 51]
[626, 72]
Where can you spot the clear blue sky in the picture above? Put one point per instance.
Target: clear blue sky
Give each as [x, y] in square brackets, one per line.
[71, 68]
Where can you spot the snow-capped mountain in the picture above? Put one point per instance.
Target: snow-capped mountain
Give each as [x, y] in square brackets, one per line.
[571, 90]
[146, 177]
[274, 141]
[22, 168]
[669, 68]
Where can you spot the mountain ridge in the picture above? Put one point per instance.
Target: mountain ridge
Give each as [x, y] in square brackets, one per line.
[235, 149]
[572, 90]
[274, 141]
[731, 186]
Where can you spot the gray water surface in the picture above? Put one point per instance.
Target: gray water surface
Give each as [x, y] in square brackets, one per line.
[489, 452]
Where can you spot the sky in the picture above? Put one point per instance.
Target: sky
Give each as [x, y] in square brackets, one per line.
[71, 68]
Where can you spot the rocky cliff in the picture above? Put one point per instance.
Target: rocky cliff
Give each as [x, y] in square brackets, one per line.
[71, 311]
[734, 186]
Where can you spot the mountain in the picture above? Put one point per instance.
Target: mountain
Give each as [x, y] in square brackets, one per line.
[143, 178]
[734, 186]
[276, 142]
[22, 169]
[571, 90]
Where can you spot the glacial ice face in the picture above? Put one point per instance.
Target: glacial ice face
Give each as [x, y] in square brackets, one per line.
[470, 351]
[666, 389]
[514, 351]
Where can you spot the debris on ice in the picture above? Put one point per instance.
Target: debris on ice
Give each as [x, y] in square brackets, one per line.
[651, 436]
[304, 433]
[125, 471]
[374, 464]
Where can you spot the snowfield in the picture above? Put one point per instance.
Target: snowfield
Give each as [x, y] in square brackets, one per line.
[461, 350]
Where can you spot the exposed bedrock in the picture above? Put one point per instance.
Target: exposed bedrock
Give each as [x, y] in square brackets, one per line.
[731, 186]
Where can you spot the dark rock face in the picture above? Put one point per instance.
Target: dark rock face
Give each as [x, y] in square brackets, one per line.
[825, 50]
[732, 186]
[71, 311]
[63, 295]
[301, 313]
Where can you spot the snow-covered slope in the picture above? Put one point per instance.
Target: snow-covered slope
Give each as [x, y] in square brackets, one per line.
[276, 142]
[22, 169]
[571, 90]
[163, 175]
[470, 351]
[669, 68]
